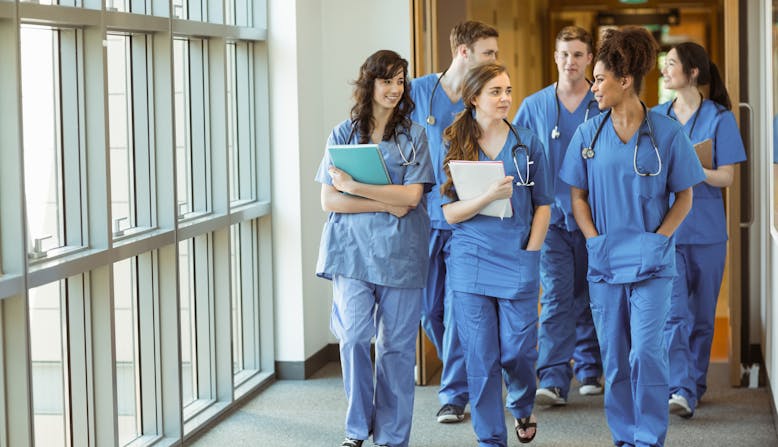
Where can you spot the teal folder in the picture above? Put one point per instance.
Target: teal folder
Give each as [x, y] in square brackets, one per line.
[363, 162]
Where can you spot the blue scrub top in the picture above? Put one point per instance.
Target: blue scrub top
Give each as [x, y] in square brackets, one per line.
[444, 112]
[378, 247]
[706, 222]
[628, 208]
[538, 113]
[487, 253]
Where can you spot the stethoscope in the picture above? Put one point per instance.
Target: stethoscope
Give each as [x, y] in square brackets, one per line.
[588, 152]
[405, 162]
[696, 113]
[555, 134]
[431, 118]
[524, 180]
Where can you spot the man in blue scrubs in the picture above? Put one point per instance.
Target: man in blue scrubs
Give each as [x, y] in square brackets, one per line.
[566, 328]
[438, 99]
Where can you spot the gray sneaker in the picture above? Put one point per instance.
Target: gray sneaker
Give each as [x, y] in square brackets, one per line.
[680, 406]
[451, 413]
[348, 442]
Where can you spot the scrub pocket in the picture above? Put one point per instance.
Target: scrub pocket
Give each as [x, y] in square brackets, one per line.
[657, 254]
[599, 264]
[529, 274]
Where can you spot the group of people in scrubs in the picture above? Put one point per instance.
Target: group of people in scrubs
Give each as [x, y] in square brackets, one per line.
[599, 186]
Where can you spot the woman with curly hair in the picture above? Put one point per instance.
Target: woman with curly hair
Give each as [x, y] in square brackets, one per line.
[495, 262]
[622, 167]
[374, 249]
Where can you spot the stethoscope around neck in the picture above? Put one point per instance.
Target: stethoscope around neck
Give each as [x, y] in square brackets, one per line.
[555, 134]
[587, 153]
[524, 180]
[431, 118]
[696, 113]
[405, 162]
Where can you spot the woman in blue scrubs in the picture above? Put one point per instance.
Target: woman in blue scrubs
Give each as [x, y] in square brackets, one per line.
[622, 166]
[374, 249]
[494, 263]
[701, 240]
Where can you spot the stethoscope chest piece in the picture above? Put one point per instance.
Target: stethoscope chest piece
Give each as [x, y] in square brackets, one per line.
[431, 120]
[555, 133]
[587, 153]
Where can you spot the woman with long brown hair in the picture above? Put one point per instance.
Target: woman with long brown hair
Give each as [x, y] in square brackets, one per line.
[494, 262]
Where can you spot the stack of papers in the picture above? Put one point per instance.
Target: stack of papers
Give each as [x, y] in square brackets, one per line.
[473, 178]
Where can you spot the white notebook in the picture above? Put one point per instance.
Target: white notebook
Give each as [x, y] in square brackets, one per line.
[473, 178]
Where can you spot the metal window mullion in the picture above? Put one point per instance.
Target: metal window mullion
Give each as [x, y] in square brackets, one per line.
[130, 142]
[260, 124]
[171, 422]
[71, 138]
[139, 80]
[243, 13]
[16, 370]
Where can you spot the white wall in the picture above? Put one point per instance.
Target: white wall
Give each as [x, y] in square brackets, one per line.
[316, 48]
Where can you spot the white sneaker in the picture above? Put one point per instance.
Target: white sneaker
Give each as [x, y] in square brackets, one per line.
[590, 387]
[549, 396]
[680, 406]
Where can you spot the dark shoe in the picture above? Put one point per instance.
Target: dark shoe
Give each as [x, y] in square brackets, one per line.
[348, 442]
[549, 396]
[451, 413]
[590, 387]
[525, 424]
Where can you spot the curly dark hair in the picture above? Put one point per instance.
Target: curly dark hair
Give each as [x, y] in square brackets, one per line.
[630, 51]
[463, 134]
[383, 64]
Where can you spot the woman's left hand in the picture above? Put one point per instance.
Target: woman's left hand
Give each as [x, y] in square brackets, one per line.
[340, 179]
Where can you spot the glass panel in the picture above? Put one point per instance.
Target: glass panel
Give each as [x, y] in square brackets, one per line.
[242, 155]
[117, 5]
[183, 159]
[43, 163]
[123, 206]
[47, 351]
[188, 329]
[236, 285]
[232, 124]
[179, 9]
[125, 283]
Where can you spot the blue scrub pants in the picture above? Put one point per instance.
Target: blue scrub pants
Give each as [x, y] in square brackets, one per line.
[437, 319]
[566, 326]
[497, 334]
[630, 319]
[692, 318]
[360, 311]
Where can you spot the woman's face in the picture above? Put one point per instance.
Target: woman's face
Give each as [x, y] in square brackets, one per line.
[673, 76]
[387, 93]
[494, 101]
[608, 90]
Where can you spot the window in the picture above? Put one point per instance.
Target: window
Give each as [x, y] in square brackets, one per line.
[48, 352]
[132, 185]
[52, 141]
[125, 282]
[236, 286]
[192, 160]
[188, 310]
[240, 115]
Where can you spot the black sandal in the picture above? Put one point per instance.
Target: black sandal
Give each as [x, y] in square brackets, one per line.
[525, 424]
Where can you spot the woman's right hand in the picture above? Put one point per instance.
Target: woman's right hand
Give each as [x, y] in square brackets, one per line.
[501, 189]
[398, 210]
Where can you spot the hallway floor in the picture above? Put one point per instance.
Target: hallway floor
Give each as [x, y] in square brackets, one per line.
[310, 413]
